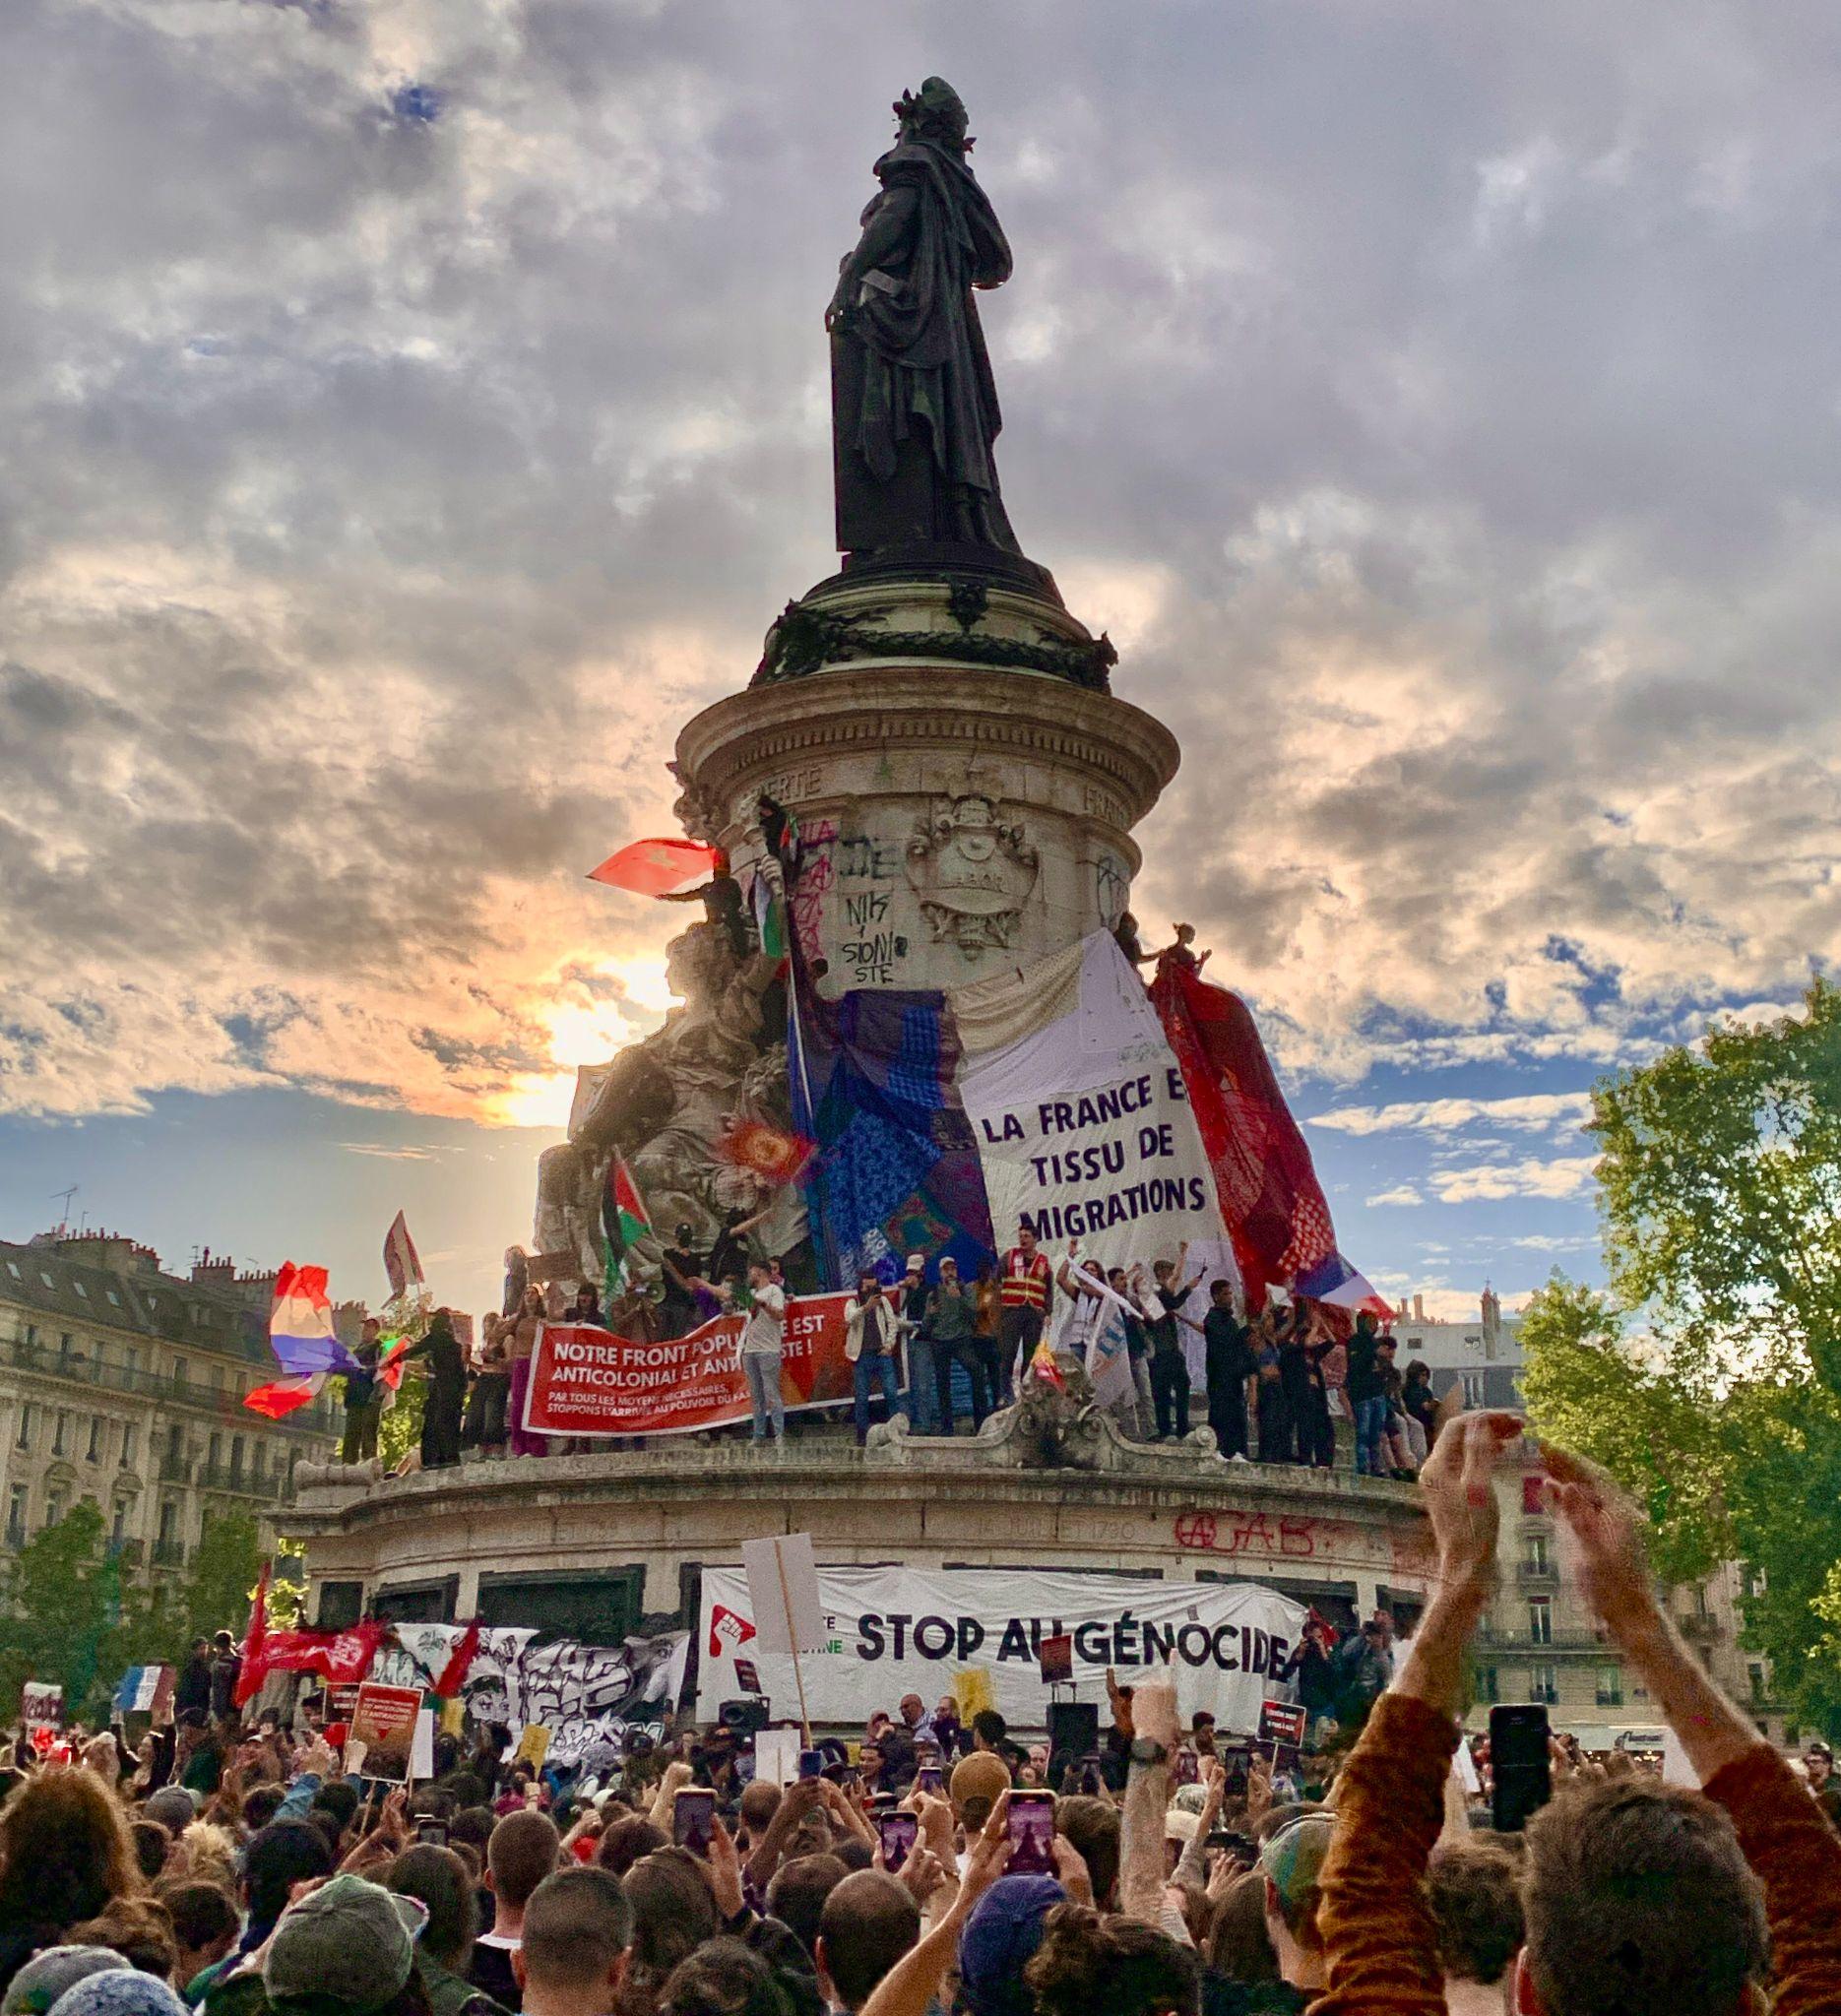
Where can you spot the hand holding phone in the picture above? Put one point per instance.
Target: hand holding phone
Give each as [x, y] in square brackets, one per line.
[897, 1833]
[1522, 1774]
[811, 1763]
[1030, 1826]
[693, 1820]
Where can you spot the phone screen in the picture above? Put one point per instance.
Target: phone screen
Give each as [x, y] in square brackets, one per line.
[434, 1832]
[931, 1779]
[897, 1833]
[811, 1763]
[1032, 1834]
[1090, 1774]
[693, 1820]
[1520, 1765]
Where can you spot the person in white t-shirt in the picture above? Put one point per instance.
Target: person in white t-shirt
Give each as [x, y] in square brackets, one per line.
[763, 1337]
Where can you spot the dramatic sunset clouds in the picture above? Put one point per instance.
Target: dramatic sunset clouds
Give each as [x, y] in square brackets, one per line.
[416, 408]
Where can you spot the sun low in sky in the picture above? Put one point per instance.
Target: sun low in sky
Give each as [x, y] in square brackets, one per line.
[415, 412]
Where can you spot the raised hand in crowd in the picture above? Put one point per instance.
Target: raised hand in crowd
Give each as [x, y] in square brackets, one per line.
[723, 1869]
[910, 1985]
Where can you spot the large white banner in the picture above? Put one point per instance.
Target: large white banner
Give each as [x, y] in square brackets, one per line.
[896, 1631]
[1084, 1128]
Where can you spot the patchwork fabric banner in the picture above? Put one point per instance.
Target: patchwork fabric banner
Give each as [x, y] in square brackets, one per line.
[1082, 1120]
[1276, 1212]
[896, 1170]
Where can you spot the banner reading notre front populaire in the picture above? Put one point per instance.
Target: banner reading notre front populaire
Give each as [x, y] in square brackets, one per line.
[899, 1630]
[590, 1382]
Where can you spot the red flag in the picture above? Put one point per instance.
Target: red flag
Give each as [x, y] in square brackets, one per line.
[254, 1669]
[453, 1677]
[662, 868]
[1276, 1213]
[1042, 1365]
[765, 1152]
[280, 1399]
[336, 1656]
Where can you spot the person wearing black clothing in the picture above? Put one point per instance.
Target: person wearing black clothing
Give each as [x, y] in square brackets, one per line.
[1290, 1328]
[1170, 1374]
[447, 1391]
[1368, 1398]
[1313, 1667]
[364, 1403]
[1420, 1401]
[226, 1667]
[193, 1690]
[1275, 1414]
[683, 1264]
[1230, 1366]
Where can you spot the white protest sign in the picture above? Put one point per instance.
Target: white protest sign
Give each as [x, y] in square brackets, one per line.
[896, 1630]
[1084, 1130]
[782, 1593]
[776, 1756]
[422, 1747]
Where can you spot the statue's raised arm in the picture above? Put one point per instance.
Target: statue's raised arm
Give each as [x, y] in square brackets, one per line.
[913, 406]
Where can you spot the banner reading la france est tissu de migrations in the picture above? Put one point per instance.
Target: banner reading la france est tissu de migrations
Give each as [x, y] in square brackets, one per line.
[898, 1630]
[585, 1381]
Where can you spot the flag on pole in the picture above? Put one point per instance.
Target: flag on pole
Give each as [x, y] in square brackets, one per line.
[1042, 1365]
[623, 1220]
[662, 868]
[402, 1263]
[249, 1674]
[280, 1399]
[301, 1323]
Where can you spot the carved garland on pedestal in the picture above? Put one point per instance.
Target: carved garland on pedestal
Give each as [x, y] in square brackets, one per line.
[805, 640]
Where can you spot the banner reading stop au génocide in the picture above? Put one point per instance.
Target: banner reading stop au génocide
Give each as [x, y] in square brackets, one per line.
[585, 1381]
[899, 1630]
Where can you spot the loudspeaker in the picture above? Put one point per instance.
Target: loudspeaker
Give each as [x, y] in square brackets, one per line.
[1073, 1727]
[744, 1717]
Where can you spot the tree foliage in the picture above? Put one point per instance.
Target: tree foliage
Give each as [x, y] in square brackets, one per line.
[70, 1616]
[1708, 1380]
[225, 1571]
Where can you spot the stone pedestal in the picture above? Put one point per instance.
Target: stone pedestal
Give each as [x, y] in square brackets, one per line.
[963, 784]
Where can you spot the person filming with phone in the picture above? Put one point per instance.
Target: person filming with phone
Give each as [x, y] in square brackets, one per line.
[1637, 1895]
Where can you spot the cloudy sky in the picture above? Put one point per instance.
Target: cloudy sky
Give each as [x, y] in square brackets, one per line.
[414, 408]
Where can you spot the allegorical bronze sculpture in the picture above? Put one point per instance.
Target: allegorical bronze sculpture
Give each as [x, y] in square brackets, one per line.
[914, 404]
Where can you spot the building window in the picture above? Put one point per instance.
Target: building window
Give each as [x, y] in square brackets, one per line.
[56, 1500]
[1540, 1620]
[179, 1369]
[1755, 1673]
[1489, 1687]
[1535, 1559]
[1473, 1389]
[95, 1438]
[1610, 1686]
[81, 1290]
[60, 1427]
[114, 1298]
[1543, 1684]
[168, 1521]
[123, 1506]
[237, 1455]
[216, 1450]
[1533, 1496]
[12, 1267]
[16, 1513]
[27, 1421]
[127, 1446]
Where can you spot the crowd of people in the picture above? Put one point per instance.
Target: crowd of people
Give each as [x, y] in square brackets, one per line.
[943, 1348]
[935, 1866]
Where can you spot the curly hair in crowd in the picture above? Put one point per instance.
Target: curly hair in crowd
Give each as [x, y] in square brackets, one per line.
[1473, 1889]
[1088, 1963]
[137, 1929]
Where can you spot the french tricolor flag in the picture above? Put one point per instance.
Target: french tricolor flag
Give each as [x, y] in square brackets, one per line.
[301, 1323]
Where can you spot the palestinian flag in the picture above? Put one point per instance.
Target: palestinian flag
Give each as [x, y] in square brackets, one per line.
[623, 1220]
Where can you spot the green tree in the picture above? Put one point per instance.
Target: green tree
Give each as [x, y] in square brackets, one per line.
[225, 1572]
[69, 1617]
[1708, 1380]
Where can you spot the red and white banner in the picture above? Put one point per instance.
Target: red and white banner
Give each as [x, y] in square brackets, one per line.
[585, 1381]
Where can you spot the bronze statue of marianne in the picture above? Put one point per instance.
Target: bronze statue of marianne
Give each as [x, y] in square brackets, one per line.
[912, 402]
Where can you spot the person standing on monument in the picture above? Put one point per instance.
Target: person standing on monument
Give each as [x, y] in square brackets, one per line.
[912, 1300]
[869, 1338]
[364, 1404]
[1170, 1373]
[447, 1390]
[763, 1341]
[951, 1331]
[521, 1343]
[1229, 1369]
[1027, 1286]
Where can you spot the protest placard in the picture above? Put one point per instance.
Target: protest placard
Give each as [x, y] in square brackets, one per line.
[586, 1381]
[1282, 1721]
[382, 1733]
[42, 1705]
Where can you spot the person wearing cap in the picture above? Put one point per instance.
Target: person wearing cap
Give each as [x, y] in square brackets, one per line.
[1291, 1866]
[346, 1950]
[119, 1992]
[977, 1784]
[912, 1300]
[40, 1982]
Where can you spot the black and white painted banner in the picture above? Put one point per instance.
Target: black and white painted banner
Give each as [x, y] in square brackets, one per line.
[897, 1631]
